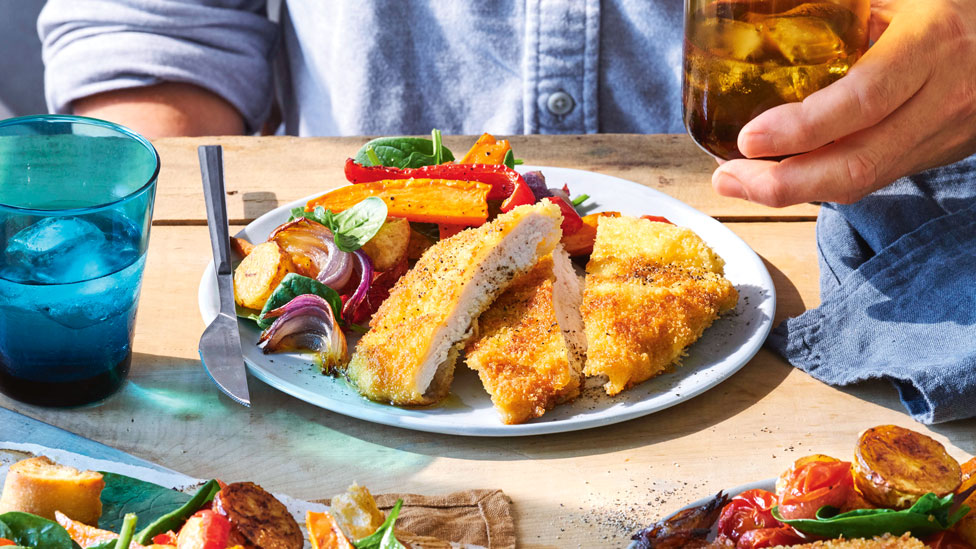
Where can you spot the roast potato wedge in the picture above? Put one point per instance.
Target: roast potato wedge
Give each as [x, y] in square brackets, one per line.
[262, 520]
[259, 274]
[388, 247]
[966, 527]
[894, 466]
[356, 512]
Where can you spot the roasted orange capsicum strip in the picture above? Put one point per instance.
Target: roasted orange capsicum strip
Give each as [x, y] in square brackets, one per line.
[487, 150]
[422, 200]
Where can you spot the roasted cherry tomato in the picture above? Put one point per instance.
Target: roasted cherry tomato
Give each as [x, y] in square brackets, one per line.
[813, 485]
[204, 530]
[169, 538]
[749, 510]
[768, 537]
[946, 540]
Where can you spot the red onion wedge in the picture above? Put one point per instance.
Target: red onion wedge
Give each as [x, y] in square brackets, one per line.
[307, 323]
[537, 182]
[314, 252]
[364, 267]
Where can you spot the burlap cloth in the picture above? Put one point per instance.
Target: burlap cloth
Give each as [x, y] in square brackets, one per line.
[472, 517]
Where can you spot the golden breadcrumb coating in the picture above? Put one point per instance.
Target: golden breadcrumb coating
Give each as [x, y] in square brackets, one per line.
[886, 541]
[408, 355]
[521, 354]
[651, 290]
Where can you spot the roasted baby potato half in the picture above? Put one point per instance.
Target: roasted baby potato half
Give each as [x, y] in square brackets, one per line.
[388, 247]
[894, 466]
[259, 274]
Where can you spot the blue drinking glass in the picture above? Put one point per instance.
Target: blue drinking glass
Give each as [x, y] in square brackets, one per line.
[76, 201]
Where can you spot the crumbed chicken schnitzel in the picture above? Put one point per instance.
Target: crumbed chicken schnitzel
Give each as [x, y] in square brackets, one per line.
[529, 348]
[408, 355]
[651, 290]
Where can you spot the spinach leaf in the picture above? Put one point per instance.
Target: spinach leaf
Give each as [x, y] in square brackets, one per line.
[29, 530]
[353, 227]
[510, 159]
[175, 518]
[383, 537]
[124, 494]
[438, 147]
[5, 531]
[292, 286]
[929, 515]
[429, 230]
[402, 152]
[125, 535]
[249, 314]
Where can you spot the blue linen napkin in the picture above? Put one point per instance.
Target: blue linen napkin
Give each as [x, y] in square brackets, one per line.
[898, 294]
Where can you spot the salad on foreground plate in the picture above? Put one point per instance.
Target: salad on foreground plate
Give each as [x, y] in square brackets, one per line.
[901, 490]
[47, 505]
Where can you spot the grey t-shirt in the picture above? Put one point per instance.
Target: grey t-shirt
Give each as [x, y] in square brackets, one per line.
[345, 67]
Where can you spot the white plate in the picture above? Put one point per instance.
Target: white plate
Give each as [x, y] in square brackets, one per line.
[724, 348]
[769, 485]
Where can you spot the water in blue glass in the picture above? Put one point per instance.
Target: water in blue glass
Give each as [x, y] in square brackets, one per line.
[69, 286]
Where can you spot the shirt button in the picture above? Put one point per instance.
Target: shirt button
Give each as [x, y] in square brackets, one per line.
[560, 103]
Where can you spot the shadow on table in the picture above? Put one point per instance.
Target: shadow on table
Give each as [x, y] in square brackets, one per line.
[961, 433]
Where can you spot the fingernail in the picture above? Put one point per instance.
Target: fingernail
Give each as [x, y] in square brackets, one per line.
[727, 184]
[756, 144]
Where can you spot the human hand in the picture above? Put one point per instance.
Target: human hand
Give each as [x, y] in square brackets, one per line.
[907, 105]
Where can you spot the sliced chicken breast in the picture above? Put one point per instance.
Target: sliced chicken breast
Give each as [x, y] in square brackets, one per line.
[408, 356]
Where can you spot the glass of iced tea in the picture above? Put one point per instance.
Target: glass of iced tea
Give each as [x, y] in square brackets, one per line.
[742, 57]
[76, 199]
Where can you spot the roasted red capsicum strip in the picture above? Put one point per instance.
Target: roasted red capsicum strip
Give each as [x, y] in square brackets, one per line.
[520, 195]
[572, 221]
[503, 180]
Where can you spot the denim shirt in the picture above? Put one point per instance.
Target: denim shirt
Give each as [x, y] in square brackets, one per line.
[385, 66]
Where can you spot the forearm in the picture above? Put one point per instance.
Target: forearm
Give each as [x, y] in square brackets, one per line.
[164, 110]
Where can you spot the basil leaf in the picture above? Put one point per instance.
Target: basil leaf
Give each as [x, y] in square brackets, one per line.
[29, 530]
[319, 215]
[929, 515]
[292, 286]
[357, 225]
[353, 227]
[123, 494]
[175, 518]
[402, 152]
[383, 537]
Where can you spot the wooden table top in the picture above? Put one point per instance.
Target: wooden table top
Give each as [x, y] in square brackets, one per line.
[583, 489]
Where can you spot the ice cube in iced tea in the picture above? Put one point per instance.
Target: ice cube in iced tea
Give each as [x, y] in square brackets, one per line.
[743, 57]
